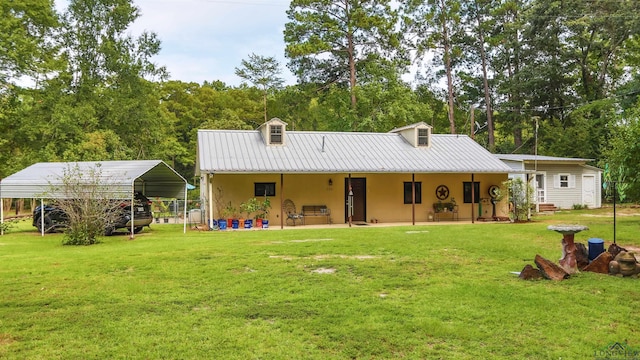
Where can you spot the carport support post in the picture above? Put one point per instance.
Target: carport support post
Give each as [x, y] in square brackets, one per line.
[184, 230]
[42, 217]
[1, 216]
[132, 206]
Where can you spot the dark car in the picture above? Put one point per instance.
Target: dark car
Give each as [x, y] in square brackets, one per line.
[55, 218]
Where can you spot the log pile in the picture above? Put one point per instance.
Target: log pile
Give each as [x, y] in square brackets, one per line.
[615, 261]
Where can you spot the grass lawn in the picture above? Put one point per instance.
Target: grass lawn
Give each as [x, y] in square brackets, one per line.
[406, 292]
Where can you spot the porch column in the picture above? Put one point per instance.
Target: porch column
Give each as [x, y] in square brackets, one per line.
[473, 198]
[282, 219]
[413, 199]
[350, 201]
[210, 202]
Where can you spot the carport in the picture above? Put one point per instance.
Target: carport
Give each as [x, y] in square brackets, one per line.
[153, 178]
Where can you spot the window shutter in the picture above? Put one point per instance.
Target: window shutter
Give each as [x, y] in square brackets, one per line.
[572, 181]
[556, 181]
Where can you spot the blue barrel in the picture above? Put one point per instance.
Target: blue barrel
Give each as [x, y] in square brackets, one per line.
[222, 224]
[596, 247]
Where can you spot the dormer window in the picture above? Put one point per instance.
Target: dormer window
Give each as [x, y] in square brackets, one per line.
[275, 134]
[418, 135]
[423, 137]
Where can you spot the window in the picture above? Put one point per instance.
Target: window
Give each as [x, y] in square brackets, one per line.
[564, 181]
[423, 137]
[467, 192]
[264, 189]
[407, 192]
[275, 134]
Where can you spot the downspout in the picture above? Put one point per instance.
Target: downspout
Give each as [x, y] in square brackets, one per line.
[413, 199]
[282, 219]
[473, 199]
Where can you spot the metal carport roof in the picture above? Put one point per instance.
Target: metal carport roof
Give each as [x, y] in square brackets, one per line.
[153, 178]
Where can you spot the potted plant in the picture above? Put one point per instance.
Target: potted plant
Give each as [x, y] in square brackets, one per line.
[452, 204]
[229, 212]
[262, 212]
[249, 207]
[220, 209]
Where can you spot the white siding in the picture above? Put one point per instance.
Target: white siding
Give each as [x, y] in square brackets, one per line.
[565, 198]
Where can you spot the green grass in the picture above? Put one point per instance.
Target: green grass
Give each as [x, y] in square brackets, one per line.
[423, 292]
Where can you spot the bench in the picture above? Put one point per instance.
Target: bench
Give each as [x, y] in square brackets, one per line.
[317, 210]
[441, 210]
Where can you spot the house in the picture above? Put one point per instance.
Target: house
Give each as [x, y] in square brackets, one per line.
[559, 182]
[392, 177]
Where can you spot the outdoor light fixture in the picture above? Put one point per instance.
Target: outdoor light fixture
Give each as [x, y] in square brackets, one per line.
[330, 182]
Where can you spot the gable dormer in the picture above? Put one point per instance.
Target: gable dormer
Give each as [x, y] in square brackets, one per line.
[418, 135]
[274, 132]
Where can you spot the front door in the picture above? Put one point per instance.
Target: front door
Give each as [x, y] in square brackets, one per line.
[589, 190]
[359, 188]
[541, 194]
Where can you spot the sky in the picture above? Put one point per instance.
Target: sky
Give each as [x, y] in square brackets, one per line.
[205, 40]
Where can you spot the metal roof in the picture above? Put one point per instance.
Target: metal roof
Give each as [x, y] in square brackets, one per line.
[154, 178]
[542, 158]
[245, 151]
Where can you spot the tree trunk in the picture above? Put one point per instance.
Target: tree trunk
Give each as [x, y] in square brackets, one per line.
[352, 63]
[485, 82]
[447, 64]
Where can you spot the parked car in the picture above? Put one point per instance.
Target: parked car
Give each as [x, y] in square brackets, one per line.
[55, 218]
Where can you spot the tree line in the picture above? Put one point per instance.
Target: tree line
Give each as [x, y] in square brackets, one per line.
[556, 77]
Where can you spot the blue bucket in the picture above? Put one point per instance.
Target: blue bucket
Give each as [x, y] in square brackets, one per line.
[596, 247]
[248, 223]
[235, 223]
[222, 224]
[265, 223]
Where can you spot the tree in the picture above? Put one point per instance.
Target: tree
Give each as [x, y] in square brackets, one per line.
[262, 72]
[332, 42]
[434, 25]
[623, 157]
[87, 198]
[26, 46]
[102, 93]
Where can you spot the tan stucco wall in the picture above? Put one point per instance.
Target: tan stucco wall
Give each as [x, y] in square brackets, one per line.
[384, 194]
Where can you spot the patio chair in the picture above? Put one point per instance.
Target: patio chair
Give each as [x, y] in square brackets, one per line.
[290, 209]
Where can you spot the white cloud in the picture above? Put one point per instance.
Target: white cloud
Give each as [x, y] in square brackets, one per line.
[205, 40]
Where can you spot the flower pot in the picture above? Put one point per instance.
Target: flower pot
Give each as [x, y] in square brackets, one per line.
[229, 223]
[248, 223]
[265, 223]
[235, 223]
[259, 223]
[241, 223]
